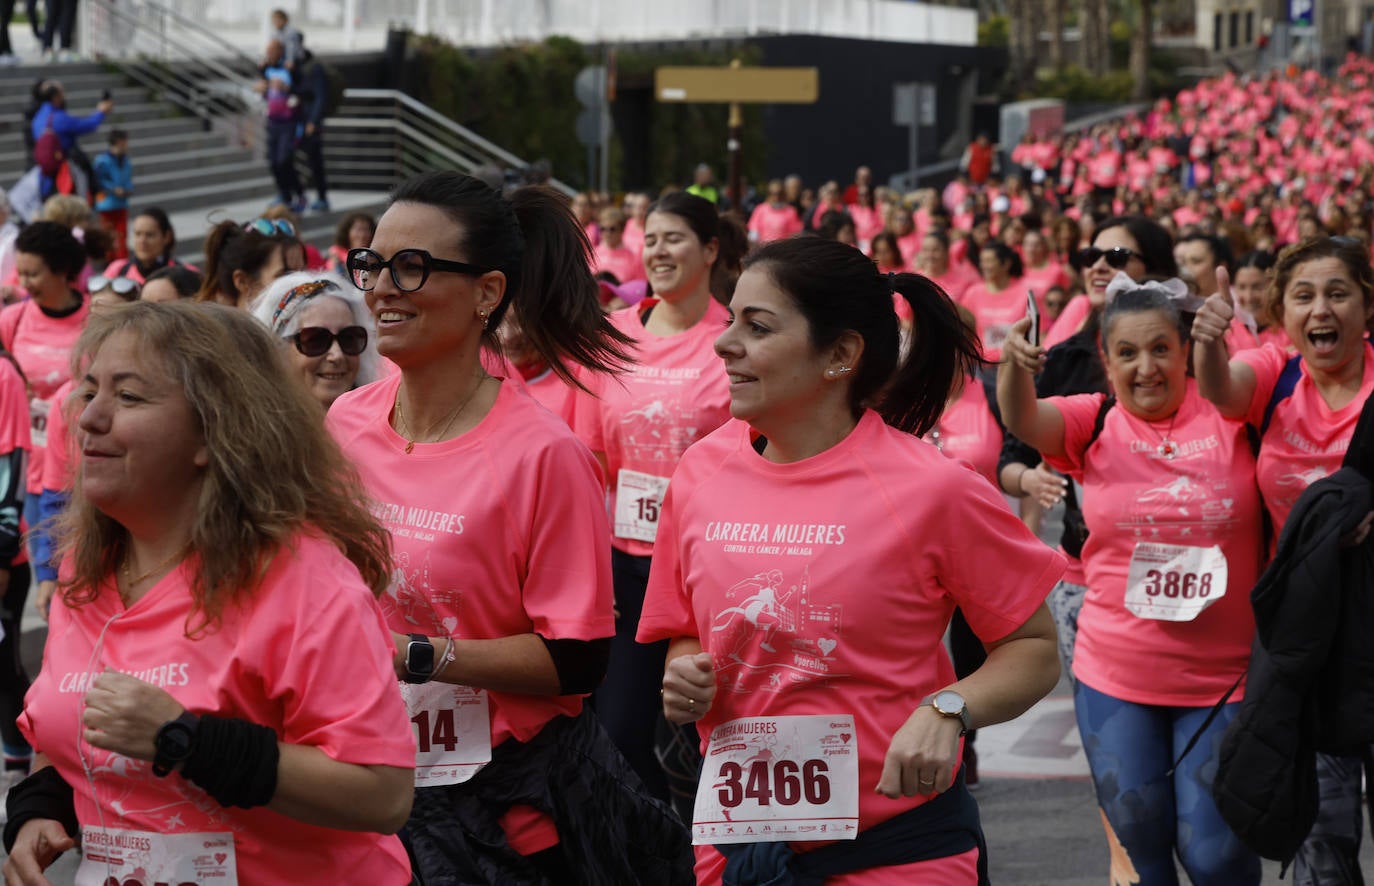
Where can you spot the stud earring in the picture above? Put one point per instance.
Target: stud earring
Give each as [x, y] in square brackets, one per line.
[482, 315]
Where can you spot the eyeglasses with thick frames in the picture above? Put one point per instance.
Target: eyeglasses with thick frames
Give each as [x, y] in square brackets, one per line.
[315, 341]
[410, 268]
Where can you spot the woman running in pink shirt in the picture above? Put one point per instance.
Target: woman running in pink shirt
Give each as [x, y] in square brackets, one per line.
[1307, 405]
[810, 555]
[500, 602]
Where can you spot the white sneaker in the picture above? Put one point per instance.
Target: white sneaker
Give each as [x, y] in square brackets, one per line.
[8, 60]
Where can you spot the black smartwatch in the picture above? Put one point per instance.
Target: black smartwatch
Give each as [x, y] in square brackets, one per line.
[175, 741]
[419, 659]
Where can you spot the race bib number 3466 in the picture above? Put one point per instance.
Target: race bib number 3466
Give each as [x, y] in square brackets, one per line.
[779, 778]
[139, 858]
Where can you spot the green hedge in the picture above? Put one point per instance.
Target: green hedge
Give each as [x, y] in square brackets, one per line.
[522, 99]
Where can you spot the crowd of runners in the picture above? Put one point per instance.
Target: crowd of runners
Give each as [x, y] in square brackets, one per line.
[513, 539]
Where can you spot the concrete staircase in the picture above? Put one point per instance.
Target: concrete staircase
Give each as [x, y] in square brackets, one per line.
[196, 174]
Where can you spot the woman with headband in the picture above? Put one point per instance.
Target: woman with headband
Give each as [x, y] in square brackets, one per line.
[1173, 548]
[329, 329]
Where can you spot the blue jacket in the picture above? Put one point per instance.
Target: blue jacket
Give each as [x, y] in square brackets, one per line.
[112, 172]
[67, 126]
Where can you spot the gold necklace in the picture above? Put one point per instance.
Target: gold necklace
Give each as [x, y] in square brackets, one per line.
[411, 439]
[131, 582]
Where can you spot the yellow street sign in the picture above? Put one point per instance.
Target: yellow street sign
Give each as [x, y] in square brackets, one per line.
[746, 85]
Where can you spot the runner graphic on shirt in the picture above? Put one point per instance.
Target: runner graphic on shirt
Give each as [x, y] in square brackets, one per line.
[658, 431]
[117, 776]
[1190, 508]
[412, 596]
[774, 636]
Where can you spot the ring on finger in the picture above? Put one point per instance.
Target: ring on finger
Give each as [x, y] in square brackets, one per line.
[692, 704]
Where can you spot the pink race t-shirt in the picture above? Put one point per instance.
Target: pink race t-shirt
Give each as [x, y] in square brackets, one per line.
[621, 261]
[768, 222]
[1204, 496]
[57, 471]
[306, 654]
[43, 346]
[675, 394]
[1306, 439]
[512, 542]
[554, 394]
[824, 587]
[996, 312]
[495, 533]
[1068, 322]
[967, 431]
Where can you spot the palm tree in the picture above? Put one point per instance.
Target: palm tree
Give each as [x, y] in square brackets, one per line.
[1093, 24]
[1055, 14]
[1140, 51]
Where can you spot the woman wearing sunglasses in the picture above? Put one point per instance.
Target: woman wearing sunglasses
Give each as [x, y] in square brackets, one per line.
[1074, 366]
[501, 603]
[326, 324]
[241, 260]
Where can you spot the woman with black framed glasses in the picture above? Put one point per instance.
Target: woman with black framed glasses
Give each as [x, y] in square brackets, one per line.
[328, 327]
[501, 601]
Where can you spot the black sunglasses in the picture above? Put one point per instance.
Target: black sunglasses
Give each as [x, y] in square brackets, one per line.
[315, 341]
[410, 268]
[1117, 257]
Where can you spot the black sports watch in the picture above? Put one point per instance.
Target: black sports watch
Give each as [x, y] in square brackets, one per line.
[419, 659]
[949, 703]
[175, 741]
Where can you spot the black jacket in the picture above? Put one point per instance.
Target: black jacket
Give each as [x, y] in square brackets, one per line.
[1310, 685]
[610, 830]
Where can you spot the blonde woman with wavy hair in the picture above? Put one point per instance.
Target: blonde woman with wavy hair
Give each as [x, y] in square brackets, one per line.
[218, 655]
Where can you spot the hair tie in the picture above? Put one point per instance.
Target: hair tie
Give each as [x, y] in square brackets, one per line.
[79, 234]
[1174, 289]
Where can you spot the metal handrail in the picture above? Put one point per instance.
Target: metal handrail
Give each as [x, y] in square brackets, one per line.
[182, 62]
[421, 139]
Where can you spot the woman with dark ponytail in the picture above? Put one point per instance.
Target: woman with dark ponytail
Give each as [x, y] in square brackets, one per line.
[809, 557]
[501, 601]
[639, 426]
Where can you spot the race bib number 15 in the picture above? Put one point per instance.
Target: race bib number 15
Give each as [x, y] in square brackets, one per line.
[779, 778]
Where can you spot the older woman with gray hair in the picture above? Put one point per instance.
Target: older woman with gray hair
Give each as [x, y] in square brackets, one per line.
[333, 347]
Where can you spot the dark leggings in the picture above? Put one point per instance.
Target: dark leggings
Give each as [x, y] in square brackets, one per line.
[6, 13]
[61, 23]
[281, 158]
[628, 703]
[312, 146]
[14, 682]
[968, 654]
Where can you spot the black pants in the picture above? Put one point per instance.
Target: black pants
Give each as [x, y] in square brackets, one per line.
[14, 682]
[281, 158]
[628, 703]
[6, 13]
[61, 23]
[968, 654]
[313, 148]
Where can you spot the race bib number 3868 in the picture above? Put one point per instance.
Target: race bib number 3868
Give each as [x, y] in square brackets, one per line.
[779, 778]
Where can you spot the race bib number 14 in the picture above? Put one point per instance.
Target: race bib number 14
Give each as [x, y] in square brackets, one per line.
[779, 778]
